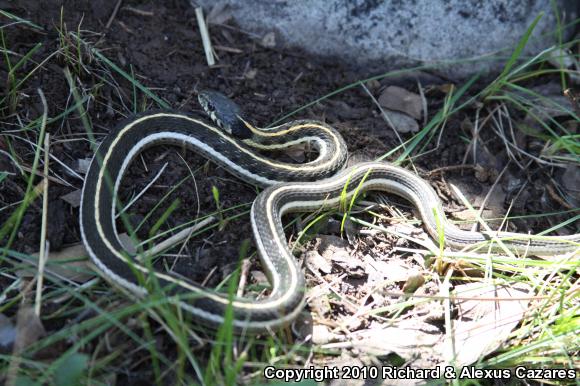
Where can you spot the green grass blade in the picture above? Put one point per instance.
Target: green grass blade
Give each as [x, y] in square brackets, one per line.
[516, 54]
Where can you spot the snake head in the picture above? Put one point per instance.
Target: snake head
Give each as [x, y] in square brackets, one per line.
[225, 113]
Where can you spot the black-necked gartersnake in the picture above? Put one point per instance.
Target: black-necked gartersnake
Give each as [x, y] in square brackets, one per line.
[233, 147]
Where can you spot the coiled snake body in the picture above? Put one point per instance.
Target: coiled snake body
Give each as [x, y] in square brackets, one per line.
[233, 146]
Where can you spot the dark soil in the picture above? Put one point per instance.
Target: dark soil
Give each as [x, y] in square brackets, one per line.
[160, 44]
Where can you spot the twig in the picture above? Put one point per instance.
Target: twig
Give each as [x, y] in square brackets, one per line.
[488, 195]
[556, 197]
[448, 168]
[114, 14]
[183, 234]
[196, 196]
[143, 191]
[13, 161]
[423, 102]
[43, 242]
[138, 11]
[243, 277]
[385, 115]
[204, 36]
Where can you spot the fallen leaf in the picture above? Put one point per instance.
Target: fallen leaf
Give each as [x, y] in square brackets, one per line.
[401, 122]
[564, 59]
[71, 262]
[315, 262]
[251, 73]
[483, 325]
[321, 334]
[414, 281]
[259, 277]
[570, 180]
[29, 329]
[406, 338]
[269, 40]
[399, 99]
[82, 165]
[7, 334]
[219, 14]
[73, 198]
[393, 270]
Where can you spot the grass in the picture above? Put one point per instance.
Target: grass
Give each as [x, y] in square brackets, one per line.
[99, 333]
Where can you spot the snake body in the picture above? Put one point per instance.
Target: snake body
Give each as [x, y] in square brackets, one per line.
[233, 146]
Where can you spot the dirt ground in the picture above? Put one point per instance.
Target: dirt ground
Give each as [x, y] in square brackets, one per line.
[160, 44]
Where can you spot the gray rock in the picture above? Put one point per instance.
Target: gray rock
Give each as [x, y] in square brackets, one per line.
[394, 34]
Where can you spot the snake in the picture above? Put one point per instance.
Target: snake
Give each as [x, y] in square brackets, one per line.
[233, 143]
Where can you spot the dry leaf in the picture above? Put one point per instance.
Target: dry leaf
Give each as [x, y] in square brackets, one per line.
[73, 198]
[219, 14]
[297, 152]
[401, 122]
[71, 262]
[330, 243]
[251, 73]
[414, 281]
[269, 40]
[259, 277]
[321, 334]
[406, 338]
[315, 262]
[29, 329]
[570, 180]
[82, 165]
[399, 99]
[483, 325]
[564, 59]
[7, 334]
[393, 270]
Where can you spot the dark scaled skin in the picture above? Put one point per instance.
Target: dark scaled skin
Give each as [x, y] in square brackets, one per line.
[225, 113]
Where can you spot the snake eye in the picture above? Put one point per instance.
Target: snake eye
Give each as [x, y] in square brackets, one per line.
[225, 113]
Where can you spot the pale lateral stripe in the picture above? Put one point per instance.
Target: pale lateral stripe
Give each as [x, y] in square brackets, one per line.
[116, 253]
